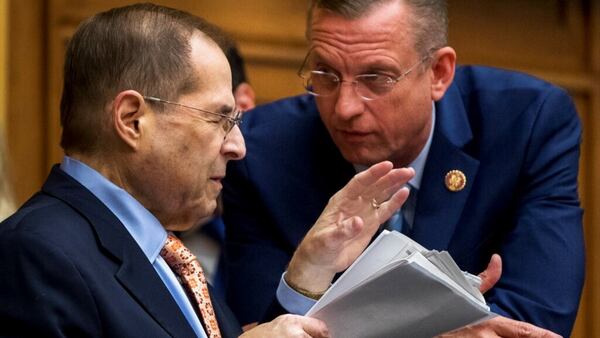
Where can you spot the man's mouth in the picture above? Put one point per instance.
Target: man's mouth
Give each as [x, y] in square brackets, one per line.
[354, 135]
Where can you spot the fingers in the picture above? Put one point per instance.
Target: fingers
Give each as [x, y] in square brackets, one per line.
[249, 326]
[314, 327]
[350, 227]
[289, 326]
[388, 208]
[372, 182]
[347, 230]
[506, 327]
[501, 327]
[492, 273]
[347, 225]
[385, 186]
[368, 177]
[380, 184]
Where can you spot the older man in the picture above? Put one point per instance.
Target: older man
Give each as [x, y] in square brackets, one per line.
[149, 124]
[495, 154]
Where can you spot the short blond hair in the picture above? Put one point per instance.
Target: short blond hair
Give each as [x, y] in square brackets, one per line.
[429, 19]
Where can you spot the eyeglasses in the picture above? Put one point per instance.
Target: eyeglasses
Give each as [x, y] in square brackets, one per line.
[367, 86]
[229, 120]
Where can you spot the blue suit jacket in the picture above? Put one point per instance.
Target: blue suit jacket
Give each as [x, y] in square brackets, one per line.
[515, 138]
[69, 268]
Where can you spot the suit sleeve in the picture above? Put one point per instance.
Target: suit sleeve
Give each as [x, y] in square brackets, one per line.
[253, 249]
[543, 255]
[42, 293]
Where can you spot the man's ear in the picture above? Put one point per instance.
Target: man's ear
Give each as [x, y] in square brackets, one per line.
[245, 98]
[128, 112]
[443, 67]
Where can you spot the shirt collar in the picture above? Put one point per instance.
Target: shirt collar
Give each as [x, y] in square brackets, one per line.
[419, 163]
[145, 229]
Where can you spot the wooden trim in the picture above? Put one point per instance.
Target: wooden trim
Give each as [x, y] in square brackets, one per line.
[26, 97]
[592, 310]
[4, 65]
[59, 29]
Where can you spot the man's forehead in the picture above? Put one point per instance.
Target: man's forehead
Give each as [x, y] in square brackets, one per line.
[321, 55]
[213, 75]
[383, 25]
[209, 61]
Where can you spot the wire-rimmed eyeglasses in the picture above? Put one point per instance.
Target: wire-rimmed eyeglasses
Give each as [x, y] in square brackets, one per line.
[228, 120]
[367, 86]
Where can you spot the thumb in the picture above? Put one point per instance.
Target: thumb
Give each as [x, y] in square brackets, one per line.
[314, 327]
[492, 273]
[347, 229]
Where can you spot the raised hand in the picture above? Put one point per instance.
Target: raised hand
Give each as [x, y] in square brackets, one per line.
[347, 225]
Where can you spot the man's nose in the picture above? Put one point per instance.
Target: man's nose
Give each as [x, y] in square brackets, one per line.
[234, 147]
[349, 104]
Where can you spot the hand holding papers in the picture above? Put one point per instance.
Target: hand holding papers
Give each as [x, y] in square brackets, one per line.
[398, 288]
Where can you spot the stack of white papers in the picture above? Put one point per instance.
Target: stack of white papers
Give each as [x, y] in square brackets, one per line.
[397, 288]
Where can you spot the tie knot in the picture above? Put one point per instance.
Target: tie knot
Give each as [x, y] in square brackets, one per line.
[175, 253]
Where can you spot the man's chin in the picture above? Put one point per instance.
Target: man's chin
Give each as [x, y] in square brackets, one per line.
[361, 156]
[208, 212]
[195, 216]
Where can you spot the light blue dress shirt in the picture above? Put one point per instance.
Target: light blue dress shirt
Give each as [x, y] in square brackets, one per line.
[145, 229]
[296, 303]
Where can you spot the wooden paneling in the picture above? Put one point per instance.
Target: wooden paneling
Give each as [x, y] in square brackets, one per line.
[587, 308]
[557, 40]
[4, 67]
[26, 117]
[545, 34]
[590, 309]
[271, 38]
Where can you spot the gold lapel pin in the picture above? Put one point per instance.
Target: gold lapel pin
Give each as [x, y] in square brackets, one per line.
[455, 180]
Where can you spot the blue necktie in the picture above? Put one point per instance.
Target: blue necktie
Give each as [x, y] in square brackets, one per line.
[402, 219]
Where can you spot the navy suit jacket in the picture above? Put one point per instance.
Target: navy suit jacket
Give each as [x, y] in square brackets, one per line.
[516, 138]
[69, 268]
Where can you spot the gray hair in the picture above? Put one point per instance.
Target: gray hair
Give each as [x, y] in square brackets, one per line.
[429, 20]
[144, 47]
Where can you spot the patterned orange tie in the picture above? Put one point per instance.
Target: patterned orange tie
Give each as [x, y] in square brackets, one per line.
[183, 262]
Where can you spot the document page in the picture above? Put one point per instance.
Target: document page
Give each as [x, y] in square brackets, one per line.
[399, 288]
[405, 302]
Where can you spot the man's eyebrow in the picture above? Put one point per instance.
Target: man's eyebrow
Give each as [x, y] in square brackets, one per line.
[316, 57]
[376, 67]
[380, 66]
[225, 109]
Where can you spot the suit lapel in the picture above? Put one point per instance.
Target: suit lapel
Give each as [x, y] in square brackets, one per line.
[228, 324]
[146, 287]
[438, 209]
[135, 273]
